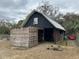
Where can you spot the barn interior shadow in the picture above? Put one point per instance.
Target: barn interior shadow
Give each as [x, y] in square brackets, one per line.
[45, 35]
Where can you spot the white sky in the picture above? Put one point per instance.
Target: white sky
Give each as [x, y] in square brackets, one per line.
[17, 9]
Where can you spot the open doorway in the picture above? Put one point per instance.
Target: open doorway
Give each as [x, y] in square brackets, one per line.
[40, 35]
[48, 34]
[45, 35]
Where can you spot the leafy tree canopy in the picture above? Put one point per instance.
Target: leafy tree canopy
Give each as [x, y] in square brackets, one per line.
[71, 23]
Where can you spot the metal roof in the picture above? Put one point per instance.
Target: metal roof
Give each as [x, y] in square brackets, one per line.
[54, 23]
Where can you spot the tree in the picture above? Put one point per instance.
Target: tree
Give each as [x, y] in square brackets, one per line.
[6, 26]
[50, 10]
[4, 30]
[19, 23]
[71, 23]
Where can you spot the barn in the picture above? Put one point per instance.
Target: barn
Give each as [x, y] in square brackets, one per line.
[45, 28]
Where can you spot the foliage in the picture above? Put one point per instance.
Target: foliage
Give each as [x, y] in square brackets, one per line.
[71, 23]
[19, 23]
[4, 30]
[16, 25]
[49, 9]
[6, 26]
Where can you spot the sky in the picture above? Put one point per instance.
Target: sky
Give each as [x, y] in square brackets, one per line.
[18, 9]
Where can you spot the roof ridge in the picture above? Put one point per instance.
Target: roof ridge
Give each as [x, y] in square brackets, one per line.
[53, 22]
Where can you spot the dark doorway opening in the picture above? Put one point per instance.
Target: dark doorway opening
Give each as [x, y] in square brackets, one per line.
[40, 35]
[48, 35]
[45, 35]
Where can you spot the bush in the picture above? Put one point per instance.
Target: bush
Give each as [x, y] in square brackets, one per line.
[4, 30]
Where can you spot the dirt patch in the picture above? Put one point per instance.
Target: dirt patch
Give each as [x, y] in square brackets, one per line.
[38, 52]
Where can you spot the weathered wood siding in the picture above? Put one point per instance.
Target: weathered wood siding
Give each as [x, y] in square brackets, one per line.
[24, 37]
[58, 37]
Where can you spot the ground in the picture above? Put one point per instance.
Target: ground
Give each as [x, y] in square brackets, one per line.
[38, 52]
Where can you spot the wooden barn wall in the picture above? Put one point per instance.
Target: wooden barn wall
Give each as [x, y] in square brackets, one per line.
[24, 37]
[42, 21]
[58, 37]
